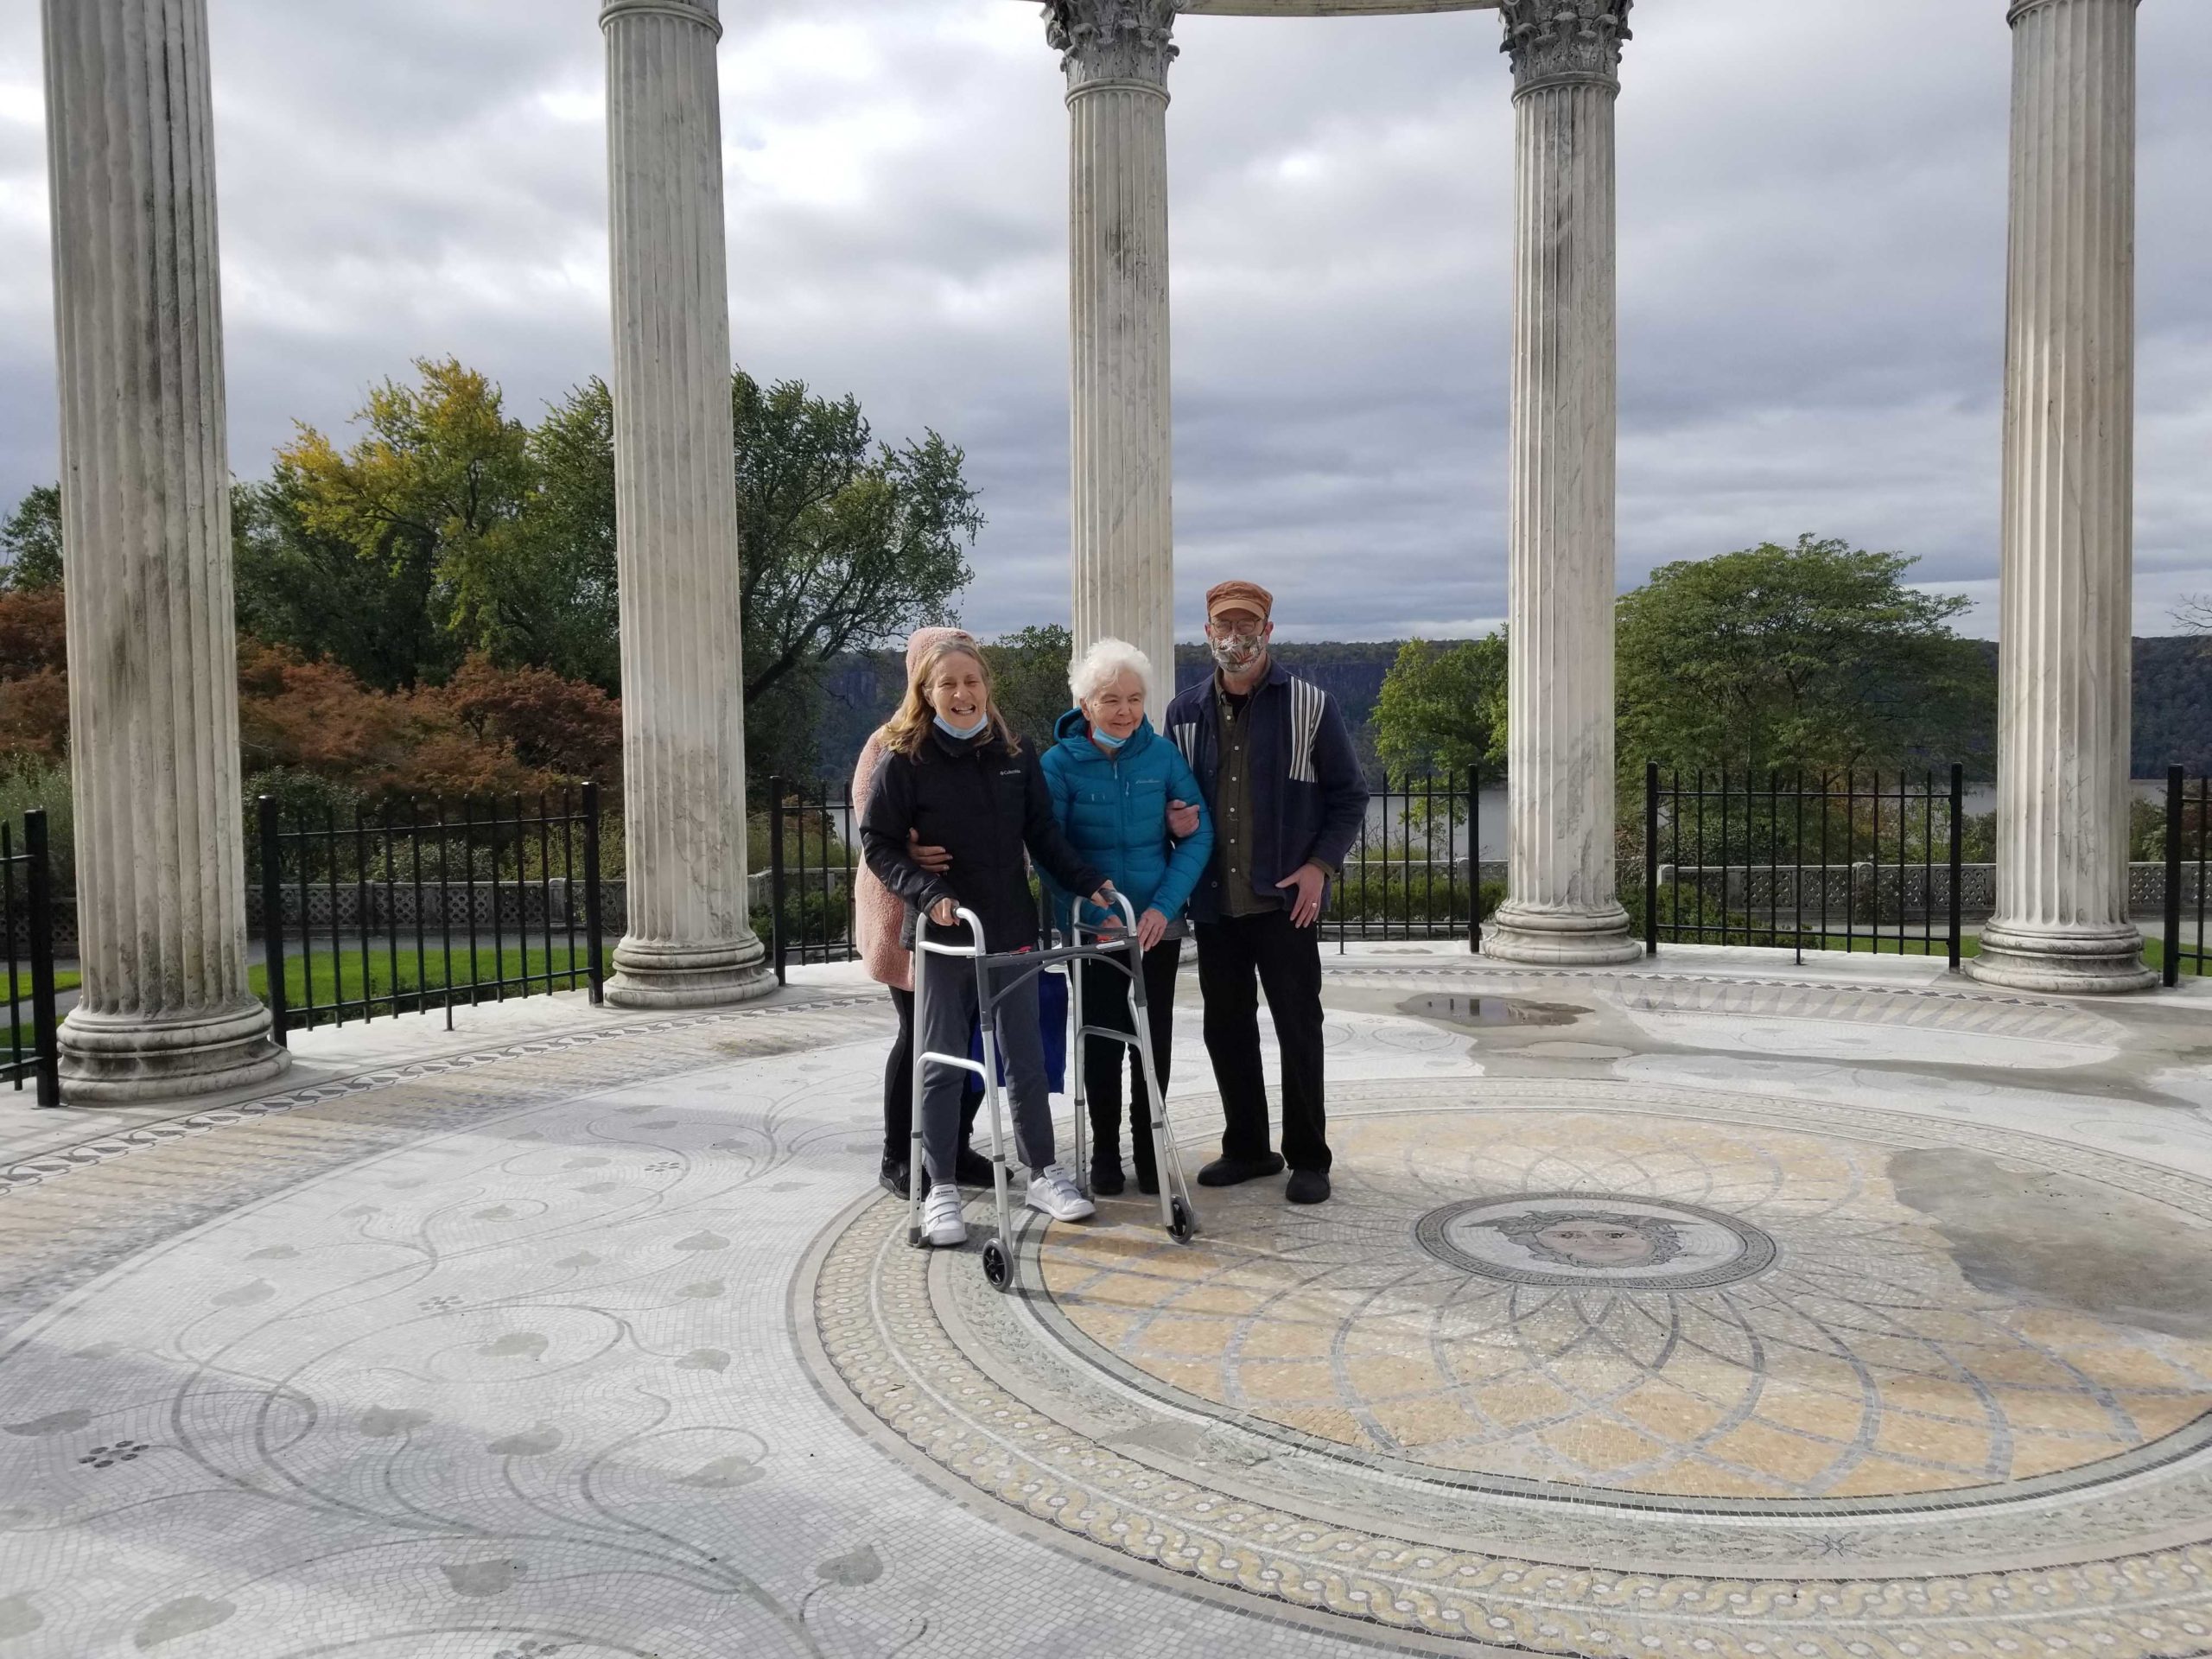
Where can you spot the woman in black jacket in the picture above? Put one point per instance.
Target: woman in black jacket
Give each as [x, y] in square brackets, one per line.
[954, 774]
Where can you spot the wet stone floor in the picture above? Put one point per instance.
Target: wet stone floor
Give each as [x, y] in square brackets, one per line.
[1711, 1308]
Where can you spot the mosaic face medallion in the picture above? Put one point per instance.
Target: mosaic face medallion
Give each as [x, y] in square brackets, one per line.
[1588, 1240]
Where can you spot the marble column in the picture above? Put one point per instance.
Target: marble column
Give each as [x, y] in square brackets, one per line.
[689, 944]
[1561, 905]
[1115, 55]
[2064, 601]
[146, 532]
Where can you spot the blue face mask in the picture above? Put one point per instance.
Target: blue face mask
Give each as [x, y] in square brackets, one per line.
[951, 730]
[1106, 741]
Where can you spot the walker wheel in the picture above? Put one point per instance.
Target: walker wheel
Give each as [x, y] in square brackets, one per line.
[1180, 1224]
[998, 1267]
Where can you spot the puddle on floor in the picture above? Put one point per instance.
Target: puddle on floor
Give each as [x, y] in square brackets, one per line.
[1490, 1011]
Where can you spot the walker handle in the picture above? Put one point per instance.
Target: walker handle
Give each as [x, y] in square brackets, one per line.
[1077, 927]
[974, 932]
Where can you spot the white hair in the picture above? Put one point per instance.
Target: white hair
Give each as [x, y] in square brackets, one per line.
[1105, 663]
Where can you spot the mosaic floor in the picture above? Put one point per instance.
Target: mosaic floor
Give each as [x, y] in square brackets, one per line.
[1653, 1315]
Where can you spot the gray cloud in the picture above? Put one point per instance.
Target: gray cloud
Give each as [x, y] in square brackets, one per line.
[1812, 283]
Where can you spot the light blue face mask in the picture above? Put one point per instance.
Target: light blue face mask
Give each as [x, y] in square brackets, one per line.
[1106, 741]
[951, 730]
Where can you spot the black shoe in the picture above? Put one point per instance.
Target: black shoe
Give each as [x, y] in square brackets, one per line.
[971, 1168]
[1307, 1186]
[1106, 1178]
[1228, 1172]
[1148, 1183]
[891, 1177]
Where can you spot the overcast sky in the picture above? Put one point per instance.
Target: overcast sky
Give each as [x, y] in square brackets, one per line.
[1812, 202]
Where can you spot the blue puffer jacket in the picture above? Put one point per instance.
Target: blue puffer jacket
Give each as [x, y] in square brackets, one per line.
[1113, 808]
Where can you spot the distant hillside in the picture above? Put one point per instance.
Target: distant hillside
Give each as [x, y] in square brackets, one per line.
[2173, 707]
[859, 691]
[2173, 697]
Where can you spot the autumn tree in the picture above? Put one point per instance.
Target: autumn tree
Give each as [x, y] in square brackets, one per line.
[389, 554]
[33, 676]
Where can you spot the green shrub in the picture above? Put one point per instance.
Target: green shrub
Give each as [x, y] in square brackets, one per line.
[35, 782]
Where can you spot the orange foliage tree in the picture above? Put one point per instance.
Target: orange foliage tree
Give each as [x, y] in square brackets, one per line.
[488, 730]
[34, 678]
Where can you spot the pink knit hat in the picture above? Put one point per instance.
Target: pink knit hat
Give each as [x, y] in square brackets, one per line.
[923, 640]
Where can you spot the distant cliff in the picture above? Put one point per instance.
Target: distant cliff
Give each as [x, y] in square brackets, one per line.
[2173, 697]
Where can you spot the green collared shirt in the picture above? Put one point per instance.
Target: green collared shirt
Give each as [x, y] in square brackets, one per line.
[1233, 808]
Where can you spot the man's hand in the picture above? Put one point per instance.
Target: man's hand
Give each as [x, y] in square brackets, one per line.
[1182, 820]
[945, 912]
[1305, 906]
[934, 860]
[1151, 927]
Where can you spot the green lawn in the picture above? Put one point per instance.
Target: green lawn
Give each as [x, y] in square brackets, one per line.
[324, 976]
[62, 982]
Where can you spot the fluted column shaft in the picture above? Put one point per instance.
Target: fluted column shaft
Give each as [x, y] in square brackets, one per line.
[1561, 905]
[2065, 599]
[689, 943]
[146, 529]
[1121, 456]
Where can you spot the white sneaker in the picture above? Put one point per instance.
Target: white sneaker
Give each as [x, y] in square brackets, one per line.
[1054, 1191]
[941, 1223]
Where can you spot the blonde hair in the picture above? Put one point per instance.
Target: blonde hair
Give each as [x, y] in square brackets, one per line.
[903, 733]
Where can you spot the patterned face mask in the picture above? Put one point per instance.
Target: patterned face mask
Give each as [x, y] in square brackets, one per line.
[1235, 652]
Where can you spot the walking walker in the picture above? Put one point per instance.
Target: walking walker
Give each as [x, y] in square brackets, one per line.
[1176, 1213]
[1119, 950]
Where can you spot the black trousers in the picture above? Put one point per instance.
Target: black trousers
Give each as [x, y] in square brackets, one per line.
[1106, 1002]
[1238, 957]
[898, 1087]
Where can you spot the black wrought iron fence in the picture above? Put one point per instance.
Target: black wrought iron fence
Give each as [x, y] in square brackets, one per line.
[403, 911]
[1854, 863]
[2188, 873]
[34, 1053]
[813, 851]
[1416, 872]
[1413, 872]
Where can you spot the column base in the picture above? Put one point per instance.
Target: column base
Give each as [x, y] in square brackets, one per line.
[1550, 936]
[656, 974]
[110, 1057]
[2063, 961]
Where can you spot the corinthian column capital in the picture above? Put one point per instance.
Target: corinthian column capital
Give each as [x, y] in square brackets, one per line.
[1564, 42]
[1104, 41]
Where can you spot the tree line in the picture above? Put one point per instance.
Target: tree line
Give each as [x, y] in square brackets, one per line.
[428, 605]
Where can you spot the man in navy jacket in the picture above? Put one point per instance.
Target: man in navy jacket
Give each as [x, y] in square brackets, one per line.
[1283, 786]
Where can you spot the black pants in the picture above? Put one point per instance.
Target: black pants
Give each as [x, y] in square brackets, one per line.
[1106, 1002]
[1239, 957]
[899, 1087]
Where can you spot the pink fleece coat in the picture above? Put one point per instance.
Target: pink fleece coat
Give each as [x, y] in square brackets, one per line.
[877, 911]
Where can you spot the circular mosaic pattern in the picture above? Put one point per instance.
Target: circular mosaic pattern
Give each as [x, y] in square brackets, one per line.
[1864, 1367]
[1589, 1240]
[1845, 1453]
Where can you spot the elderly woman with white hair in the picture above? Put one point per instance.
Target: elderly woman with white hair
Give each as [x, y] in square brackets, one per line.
[1128, 802]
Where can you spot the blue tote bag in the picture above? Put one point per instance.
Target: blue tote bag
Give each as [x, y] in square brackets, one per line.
[1052, 1028]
